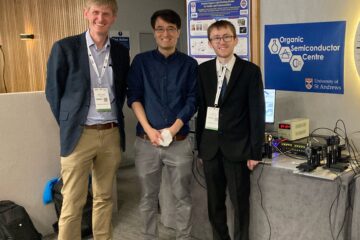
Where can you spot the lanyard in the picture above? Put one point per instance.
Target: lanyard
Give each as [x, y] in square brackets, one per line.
[93, 64]
[219, 86]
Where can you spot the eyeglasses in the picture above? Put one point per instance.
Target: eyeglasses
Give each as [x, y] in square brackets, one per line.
[169, 30]
[217, 39]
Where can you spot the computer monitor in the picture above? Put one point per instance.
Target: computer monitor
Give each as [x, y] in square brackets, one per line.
[269, 105]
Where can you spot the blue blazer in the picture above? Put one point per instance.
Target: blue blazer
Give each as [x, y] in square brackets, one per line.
[68, 87]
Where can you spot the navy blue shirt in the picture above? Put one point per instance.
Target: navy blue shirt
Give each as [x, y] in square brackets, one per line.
[166, 87]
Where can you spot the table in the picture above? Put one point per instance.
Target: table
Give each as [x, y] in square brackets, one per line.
[355, 214]
[299, 207]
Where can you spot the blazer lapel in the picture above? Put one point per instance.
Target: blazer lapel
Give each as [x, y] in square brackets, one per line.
[84, 59]
[211, 82]
[234, 77]
[115, 60]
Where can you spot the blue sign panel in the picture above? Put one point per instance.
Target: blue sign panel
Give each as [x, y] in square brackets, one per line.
[122, 37]
[307, 57]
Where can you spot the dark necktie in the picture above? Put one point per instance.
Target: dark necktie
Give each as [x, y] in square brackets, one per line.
[223, 88]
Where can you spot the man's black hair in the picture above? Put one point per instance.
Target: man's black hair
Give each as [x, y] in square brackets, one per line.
[167, 15]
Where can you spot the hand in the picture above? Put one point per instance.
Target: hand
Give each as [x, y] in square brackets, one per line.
[172, 131]
[252, 164]
[154, 136]
[175, 128]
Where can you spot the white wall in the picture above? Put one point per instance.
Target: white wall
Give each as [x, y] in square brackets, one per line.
[134, 15]
[322, 109]
[29, 147]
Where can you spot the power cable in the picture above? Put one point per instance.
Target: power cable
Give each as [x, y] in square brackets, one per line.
[336, 199]
[261, 199]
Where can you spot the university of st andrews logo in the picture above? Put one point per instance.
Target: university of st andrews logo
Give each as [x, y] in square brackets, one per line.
[308, 83]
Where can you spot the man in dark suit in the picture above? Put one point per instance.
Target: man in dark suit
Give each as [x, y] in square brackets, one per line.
[230, 129]
[86, 84]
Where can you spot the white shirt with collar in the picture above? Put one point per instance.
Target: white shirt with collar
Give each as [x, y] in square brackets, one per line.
[229, 66]
[107, 81]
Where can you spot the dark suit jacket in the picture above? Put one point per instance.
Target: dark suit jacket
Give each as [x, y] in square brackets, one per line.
[241, 116]
[68, 87]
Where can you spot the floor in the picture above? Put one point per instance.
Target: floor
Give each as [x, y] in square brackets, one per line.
[127, 224]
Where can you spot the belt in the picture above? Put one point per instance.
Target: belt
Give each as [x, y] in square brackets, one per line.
[101, 126]
[175, 138]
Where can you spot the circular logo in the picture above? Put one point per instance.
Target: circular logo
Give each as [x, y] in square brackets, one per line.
[243, 3]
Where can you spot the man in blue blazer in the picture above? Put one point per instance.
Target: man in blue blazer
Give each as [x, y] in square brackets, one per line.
[230, 129]
[86, 84]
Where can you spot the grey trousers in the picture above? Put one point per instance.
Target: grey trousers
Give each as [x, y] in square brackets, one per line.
[149, 161]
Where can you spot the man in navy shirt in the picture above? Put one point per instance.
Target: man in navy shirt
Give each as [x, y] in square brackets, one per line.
[162, 91]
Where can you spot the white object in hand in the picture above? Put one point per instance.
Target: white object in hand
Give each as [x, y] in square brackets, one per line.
[166, 138]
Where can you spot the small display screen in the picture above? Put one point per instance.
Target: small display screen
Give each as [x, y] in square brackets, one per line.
[284, 126]
[269, 95]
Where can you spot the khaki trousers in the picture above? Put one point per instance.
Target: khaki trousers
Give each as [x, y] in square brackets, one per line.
[98, 152]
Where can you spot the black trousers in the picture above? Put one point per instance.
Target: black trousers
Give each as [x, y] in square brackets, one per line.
[219, 174]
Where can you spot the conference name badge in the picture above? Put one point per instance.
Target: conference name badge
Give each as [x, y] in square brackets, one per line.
[102, 100]
[212, 118]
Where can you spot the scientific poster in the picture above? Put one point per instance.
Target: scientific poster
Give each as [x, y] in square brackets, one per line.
[202, 13]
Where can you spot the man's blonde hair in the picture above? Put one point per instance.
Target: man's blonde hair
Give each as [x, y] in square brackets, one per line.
[111, 3]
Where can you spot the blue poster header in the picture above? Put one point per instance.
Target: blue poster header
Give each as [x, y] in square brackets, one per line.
[210, 9]
[306, 57]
